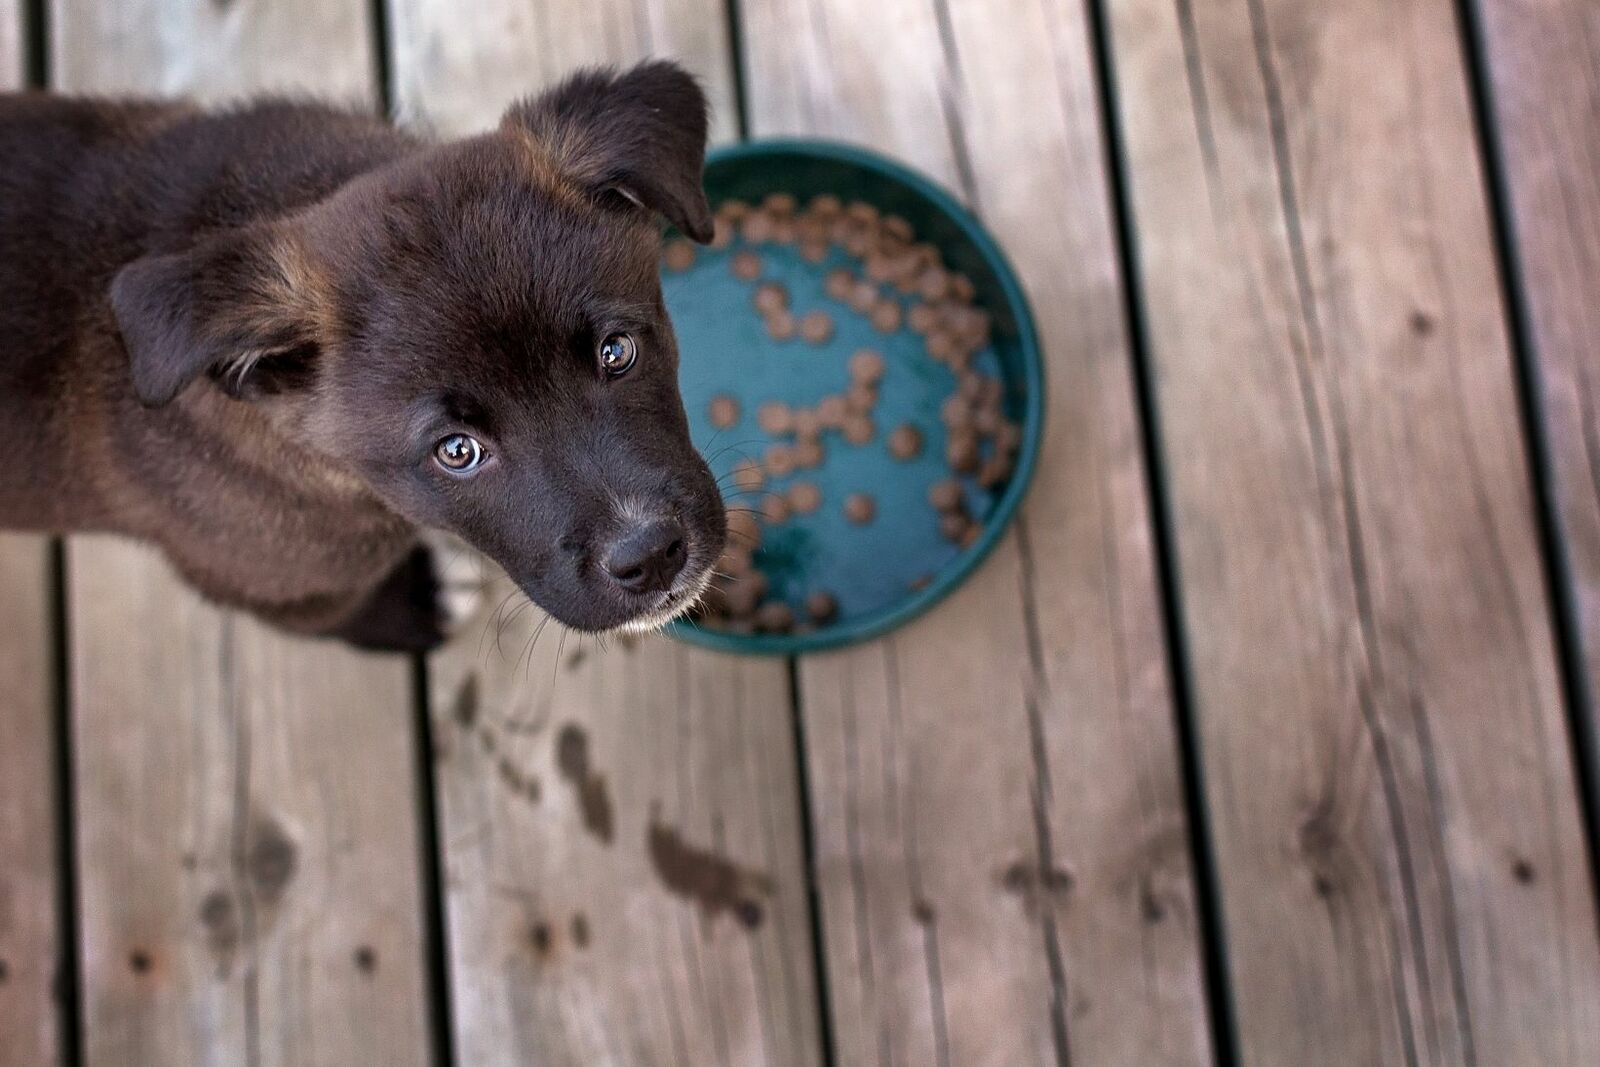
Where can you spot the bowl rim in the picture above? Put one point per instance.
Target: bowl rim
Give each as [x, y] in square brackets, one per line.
[949, 578]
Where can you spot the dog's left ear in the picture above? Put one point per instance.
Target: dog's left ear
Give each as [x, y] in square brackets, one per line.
[240, 305]
[639, 135]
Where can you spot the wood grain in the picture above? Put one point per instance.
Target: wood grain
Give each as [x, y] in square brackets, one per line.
[622, 831]
[248, 842]
[30, 932]
[1002, 846]
[30, 935]
[1386, 752]
[1542, 63]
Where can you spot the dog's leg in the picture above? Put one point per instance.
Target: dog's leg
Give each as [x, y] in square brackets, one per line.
[433, 592]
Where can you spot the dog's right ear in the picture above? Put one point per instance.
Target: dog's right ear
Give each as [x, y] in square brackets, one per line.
[241, 305]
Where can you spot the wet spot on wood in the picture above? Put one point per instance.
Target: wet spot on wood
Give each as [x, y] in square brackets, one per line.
[519, 781]
[366, 959]
[594, 801]
[189, 861]
[714, 882]
[5, 971]
[464, 708]
[1322, 886]
[923, 912]
[271, 859]
[1034, 883]
[540, 938]
[1421, 323]
[1151, 910]
[220, 920]
[580, 930]
[139, 961]
[1523, 872]
[575, 660]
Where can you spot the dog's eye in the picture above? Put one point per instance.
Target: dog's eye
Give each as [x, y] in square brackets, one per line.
[460, 454]
[617, 353]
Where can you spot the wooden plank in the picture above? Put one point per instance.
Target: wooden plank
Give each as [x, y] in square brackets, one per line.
[1542, 60]
[1001, 838]
[1386, 751]
[248, 843]
[590, 803]
[30, 941]
[30, 934]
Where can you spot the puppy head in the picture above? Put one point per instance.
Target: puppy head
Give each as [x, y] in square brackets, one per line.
[478, 332]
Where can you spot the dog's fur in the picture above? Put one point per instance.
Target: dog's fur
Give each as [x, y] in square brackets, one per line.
[240, 335]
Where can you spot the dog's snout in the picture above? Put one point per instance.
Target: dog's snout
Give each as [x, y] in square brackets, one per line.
[648, 557]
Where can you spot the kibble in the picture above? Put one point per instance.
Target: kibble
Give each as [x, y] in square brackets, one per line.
[779, 460]
[774, 509]
[861, 398]
[832, 411]
[946, 495]
[886, 316]
[859, 430]
[775, 417]
[774, 617]
[867, 365]
[822, 606]
[756, 227]
[770, 297]
[678, 255]
[839, 284]
[744, 530]
[723, 411]
[816, 327]
[780, 203]
[953, 526]
[748, 476]
[961, 452]
[781, 326]
[804, 498]
[860, 508]
[905, 442]
[809, 454]
[745, 265]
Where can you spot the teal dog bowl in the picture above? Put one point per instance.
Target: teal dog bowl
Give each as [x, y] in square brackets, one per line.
[888, 571]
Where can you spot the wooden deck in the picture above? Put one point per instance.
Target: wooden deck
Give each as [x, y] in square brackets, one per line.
[1267, 735]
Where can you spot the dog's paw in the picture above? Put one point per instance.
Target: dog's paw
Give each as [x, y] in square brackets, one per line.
[431, 595]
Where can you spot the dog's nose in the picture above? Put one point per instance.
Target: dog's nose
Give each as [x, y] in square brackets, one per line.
[647, 558]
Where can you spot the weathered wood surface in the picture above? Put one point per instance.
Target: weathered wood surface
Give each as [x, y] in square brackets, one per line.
[248, 844]
[1543, 68]
[30, 943]
[621, 830]
[1002, 846]
[1404, 876]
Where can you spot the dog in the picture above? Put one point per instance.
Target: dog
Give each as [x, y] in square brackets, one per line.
[285, 343]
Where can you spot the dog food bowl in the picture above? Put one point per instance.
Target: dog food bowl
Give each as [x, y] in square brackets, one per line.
[885, 572]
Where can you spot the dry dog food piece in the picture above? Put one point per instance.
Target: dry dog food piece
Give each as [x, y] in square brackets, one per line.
[826, 204]
[971, 387]
[774, 617]
[722, 231]
[879, 267]
[860, 508]
[756, 227]
[962, 288]
[863, 297]
[780, 203]
[733, 210]
[817, 327]
[934, 284]
[808, 454]
[804, 497]
[832, 410]
[813, 250]
[861, 211]
[953, 526]
[822, 606]
[748, 476]
[861, 398]
[946, 495]
[1008, 437]
[745, 265]
[897, 227]
[807, 423]
[970, 538]
[956, 412]
[839, 284]
[995, 470]
[774, 509]
[920, 582]
[779, 460]
[723, 411]
[679, 254]
[905, 442]
[775, 417]
[781, 326]
[961, 451]
[771, 297]
[867, 366]
[942, 345]
[783, 229]
[922, 319]
[886, 316]
[744, 532]
[859, 429]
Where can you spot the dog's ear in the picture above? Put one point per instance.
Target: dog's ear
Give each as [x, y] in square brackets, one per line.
[638, 136]
[241, 306]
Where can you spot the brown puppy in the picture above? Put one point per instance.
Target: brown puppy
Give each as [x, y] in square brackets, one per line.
[278, 341]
